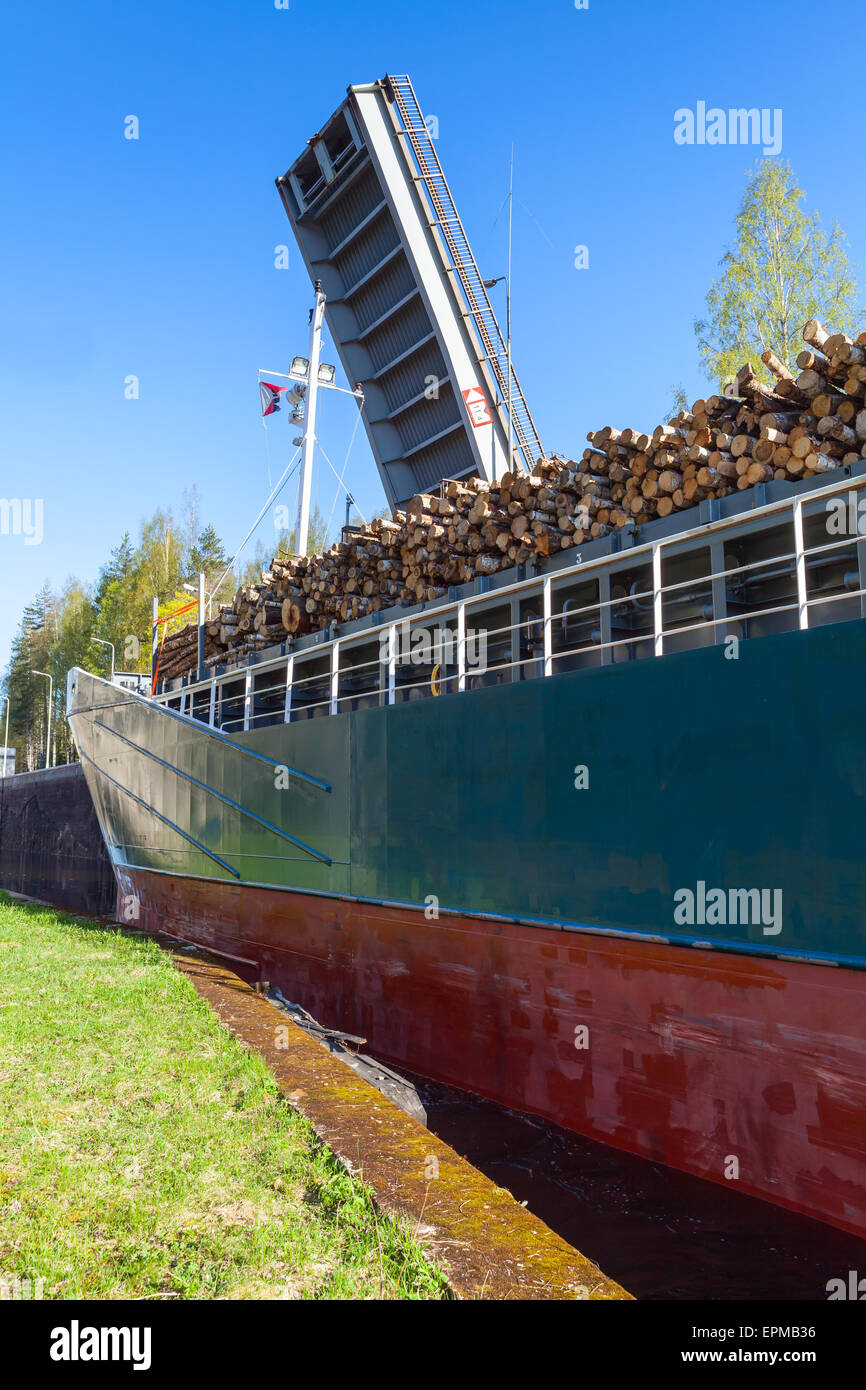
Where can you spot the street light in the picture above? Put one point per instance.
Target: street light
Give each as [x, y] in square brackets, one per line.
[191, 589]
[102, 642]
[6, 740]
[50, 693]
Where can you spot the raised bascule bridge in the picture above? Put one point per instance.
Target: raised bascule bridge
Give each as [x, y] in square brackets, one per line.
[406, 303]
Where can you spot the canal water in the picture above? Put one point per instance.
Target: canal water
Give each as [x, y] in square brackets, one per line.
[659, 1233]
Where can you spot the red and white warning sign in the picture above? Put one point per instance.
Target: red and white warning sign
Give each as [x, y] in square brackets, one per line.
[476, 404]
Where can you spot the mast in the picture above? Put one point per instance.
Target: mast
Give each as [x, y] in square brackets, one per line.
[510, 454]
[306, 479]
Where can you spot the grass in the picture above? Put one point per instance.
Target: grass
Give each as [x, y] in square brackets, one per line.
[145, 1153]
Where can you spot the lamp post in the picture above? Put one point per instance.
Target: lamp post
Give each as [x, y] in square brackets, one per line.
[191, 589]
[50, 693]
[6, 740]
[102, 642]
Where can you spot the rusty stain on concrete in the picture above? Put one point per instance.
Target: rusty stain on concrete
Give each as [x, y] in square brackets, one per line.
[485, 1243]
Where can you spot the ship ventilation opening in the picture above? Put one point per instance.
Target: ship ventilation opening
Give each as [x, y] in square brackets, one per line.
[832, 565]
[687, 600]
[631, 613]
[201, 704]
[577, 628]
[761, 583]
[231, 707]
[488, 647]
[311, 688]
[360, 677]
[269, 698]
[425, 660]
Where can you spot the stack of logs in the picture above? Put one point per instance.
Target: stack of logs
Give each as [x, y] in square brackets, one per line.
[803, 425]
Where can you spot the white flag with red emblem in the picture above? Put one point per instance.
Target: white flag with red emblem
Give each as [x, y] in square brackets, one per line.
[270, 397]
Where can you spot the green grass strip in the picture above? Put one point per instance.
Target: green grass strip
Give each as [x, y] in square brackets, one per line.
[145, 1153]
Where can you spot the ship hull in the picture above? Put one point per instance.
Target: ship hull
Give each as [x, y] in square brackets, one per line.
[473, 880]
[746, 1071]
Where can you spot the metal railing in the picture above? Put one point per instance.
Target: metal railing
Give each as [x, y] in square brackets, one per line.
[447, 223]
[533, 648]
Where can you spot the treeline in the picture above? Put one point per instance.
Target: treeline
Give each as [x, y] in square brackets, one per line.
[72, 626]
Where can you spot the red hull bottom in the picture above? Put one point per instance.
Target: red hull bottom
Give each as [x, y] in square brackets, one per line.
[738, 1069]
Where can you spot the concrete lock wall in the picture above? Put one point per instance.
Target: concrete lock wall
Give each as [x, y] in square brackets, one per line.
[51, 846]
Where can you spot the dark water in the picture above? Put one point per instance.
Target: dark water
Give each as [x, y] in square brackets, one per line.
[659, 1233]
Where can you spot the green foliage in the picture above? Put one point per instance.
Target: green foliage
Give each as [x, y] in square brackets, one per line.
[28, 694]
[207, 554]
[68, 628]
[678, 400]
[161, 554]
[251, 571]
[317, 536]
[783, 270]
[317, 540]
[122, 610]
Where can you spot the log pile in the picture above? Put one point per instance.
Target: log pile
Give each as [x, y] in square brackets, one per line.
[805, 424]
[179, 652]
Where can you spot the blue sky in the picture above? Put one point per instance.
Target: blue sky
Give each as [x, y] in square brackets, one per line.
[155, 257]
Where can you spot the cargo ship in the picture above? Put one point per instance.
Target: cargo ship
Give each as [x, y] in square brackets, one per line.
[592, 847]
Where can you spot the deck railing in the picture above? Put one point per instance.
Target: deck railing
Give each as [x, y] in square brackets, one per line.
[530, 645]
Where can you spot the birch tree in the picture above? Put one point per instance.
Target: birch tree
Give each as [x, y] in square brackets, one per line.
[783, 270]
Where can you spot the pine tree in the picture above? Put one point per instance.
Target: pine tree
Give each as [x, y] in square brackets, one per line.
[120, 617]
[27, 693]
[71, 646]
[54, 635]
[208, 555]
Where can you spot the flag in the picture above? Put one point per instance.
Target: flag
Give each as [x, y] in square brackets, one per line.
[270, 397]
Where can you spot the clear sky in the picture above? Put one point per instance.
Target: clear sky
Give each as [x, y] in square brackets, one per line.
[155, 257]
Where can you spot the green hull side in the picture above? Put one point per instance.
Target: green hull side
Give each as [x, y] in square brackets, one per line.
[745, 773]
